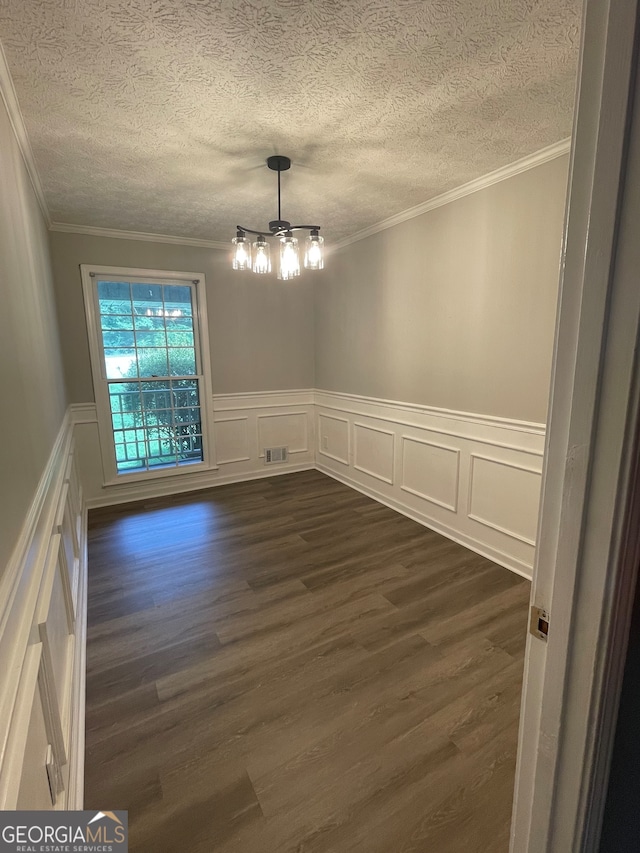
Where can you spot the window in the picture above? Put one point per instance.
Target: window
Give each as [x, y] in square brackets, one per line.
[152, 383]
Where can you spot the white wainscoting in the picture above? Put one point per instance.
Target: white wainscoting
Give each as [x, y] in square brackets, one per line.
[266, 419]
[244, 424]
[42, 644]
[476, 479]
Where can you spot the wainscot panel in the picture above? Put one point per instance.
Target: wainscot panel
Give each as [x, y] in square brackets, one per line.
[43, 642]
[373, 451]
[333, 438]
[436, 467]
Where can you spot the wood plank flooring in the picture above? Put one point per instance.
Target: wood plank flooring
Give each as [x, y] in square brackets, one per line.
[286, 666]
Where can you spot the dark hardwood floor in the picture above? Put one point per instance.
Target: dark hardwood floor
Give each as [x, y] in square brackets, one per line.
[286, 666]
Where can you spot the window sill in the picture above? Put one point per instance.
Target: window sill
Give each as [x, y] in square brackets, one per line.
[187, 471]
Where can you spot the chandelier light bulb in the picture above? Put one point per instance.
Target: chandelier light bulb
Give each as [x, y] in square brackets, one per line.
[289, 257]
[314, 252]
[241, 252]
[261, 256]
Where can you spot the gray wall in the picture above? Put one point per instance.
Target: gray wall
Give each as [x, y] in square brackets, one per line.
[33, 395]
[453, 309]
[260, 329]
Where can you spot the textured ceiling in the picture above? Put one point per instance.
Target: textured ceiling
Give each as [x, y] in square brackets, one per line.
[158, 115]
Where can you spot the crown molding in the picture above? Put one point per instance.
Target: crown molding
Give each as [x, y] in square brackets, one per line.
[95, 231]
[551, 152]
[522, 165]
[10, 98]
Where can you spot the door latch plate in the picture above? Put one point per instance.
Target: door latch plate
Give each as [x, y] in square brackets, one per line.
[539, 623]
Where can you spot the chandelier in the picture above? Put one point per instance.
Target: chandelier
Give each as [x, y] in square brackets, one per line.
[257, 257]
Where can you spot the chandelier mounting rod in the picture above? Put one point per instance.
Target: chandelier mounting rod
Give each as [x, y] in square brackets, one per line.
[279, 163]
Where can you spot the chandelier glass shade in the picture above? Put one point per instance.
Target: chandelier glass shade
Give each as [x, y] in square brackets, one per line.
[257, 257]
[241, 253]
[289, 257]
[261, 257]
[314, 252]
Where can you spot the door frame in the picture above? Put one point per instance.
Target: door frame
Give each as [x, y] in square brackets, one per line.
[586, 561]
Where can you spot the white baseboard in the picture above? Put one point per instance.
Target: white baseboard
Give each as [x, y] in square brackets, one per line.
[165, 488]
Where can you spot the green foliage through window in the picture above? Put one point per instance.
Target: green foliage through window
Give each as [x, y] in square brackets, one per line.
[151, 370]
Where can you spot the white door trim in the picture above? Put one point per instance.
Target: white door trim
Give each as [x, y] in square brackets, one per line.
[567, 723]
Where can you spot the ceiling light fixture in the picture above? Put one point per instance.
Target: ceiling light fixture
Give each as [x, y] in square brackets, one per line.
[259, 260]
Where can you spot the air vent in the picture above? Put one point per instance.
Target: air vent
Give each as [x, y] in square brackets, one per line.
[275, 454]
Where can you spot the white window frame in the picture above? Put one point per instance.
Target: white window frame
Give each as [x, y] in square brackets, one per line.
[90, 275]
